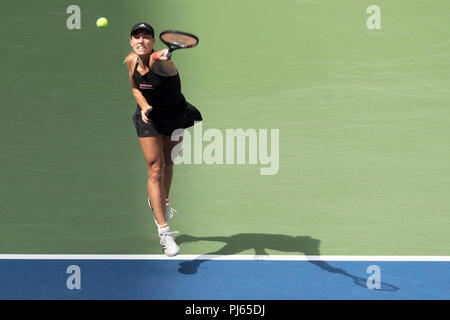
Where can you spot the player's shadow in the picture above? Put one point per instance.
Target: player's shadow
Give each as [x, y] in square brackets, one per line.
[259, 242]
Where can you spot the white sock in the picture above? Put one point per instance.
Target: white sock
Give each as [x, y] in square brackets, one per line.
[163, 230]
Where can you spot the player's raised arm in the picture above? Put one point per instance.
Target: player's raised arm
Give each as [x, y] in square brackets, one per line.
[162, 64]
[161, 61]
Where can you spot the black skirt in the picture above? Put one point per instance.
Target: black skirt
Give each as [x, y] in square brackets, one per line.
[166, 124]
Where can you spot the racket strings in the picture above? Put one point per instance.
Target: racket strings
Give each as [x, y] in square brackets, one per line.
[179, 40]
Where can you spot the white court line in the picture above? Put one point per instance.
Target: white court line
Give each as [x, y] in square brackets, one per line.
[217, 257]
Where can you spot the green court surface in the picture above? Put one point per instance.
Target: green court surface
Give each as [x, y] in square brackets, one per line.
[363, 118]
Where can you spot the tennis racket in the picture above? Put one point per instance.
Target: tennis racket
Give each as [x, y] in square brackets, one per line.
[175, 40]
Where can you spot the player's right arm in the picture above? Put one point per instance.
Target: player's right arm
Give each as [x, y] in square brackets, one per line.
[140, 99]
[162, 65]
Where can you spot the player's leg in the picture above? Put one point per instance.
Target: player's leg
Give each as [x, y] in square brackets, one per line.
[170, 154]
[152, 148]
[168, 147]
[153, 154]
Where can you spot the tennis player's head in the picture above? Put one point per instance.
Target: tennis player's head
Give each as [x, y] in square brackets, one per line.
[142, 38]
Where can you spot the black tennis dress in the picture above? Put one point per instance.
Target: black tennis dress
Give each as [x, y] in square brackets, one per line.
[170, 110]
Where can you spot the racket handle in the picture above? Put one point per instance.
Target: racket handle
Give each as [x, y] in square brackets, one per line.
[168, 53]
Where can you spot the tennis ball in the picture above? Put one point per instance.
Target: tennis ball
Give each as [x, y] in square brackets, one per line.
[102, 22]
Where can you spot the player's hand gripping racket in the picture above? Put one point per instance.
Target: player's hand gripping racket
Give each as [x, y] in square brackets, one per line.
[177, 40]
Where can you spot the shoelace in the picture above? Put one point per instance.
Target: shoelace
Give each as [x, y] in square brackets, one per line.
[165, 234]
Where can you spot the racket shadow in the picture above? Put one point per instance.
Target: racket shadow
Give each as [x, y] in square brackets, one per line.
[260, 242]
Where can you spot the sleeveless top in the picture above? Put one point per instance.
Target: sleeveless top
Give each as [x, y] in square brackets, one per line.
[163, 93]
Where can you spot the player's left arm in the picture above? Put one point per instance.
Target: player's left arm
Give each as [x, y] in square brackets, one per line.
[162, 65]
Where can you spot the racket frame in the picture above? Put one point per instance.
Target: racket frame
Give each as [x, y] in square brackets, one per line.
[173, 47]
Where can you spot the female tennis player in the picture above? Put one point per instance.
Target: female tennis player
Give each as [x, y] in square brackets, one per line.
[161, 109]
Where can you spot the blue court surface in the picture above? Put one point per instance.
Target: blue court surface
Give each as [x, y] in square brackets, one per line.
[155, 277]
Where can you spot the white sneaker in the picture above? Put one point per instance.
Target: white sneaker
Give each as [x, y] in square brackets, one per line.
[169, 245]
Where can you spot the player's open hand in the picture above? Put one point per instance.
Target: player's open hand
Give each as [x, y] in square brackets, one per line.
[144, 113]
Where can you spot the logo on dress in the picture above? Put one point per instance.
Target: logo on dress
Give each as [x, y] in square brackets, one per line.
[145, 86]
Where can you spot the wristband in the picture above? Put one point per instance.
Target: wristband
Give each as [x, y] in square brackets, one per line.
[154, 56]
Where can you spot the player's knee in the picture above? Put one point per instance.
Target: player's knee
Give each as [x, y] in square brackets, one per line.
[155, 171]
